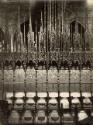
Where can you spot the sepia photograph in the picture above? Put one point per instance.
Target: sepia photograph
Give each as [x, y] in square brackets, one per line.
[46, 62]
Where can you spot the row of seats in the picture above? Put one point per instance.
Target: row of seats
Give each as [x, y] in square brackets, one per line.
[41, 101]
[41, 117]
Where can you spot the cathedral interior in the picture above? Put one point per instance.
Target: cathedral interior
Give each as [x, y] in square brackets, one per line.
[46, 62]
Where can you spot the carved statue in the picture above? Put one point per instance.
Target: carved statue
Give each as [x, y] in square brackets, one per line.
[87, 40]
[76, 38]
[31, 42]
[21, 41]
[41, 36]
[52, 40]
[18, 42]
[66, 38]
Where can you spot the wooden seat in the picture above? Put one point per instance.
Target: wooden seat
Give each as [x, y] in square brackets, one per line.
[14, 117]
[75, 94]
[54, 117]
[67, 119]
[42, 94]
[27, 117]
[9, 95]
[64, 94]
[53, 104]
[19, 94]
[19, 104]
[41, 117]
[41, 103]
[53, 94]
[86, 94]
[82, 115]
[65, 103]
[30, 94]
[30, 104]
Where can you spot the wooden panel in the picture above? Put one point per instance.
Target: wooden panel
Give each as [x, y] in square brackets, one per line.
[74, 76]
[64, 76]
[64, 87]
[19, 87]
[29, 86]
[31, 76]
[41, 76]
[85, 76]
[19, 75]
[41, 87]
[75, 87]
[8, 76]
[52, 87]
[86, 87]
[52, 76]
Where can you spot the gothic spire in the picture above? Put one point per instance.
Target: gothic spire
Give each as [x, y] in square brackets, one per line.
[62, 17]
[50, 14]
[24, 34]
[19, 28]
[30, 21]
[41, 21]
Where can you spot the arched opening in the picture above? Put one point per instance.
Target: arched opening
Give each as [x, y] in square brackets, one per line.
[18, 63]
[7, 63]
[77, 36]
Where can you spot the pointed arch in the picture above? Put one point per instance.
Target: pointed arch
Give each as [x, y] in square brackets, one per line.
[77, 35]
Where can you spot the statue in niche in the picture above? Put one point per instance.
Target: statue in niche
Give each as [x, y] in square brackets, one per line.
[76, 38]
[87, 40]
[41, 35]
[7, 40]
[41, 41]
[52, 40]
[15, 44]
[31, 42]
[66, 38]
[18, 42]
